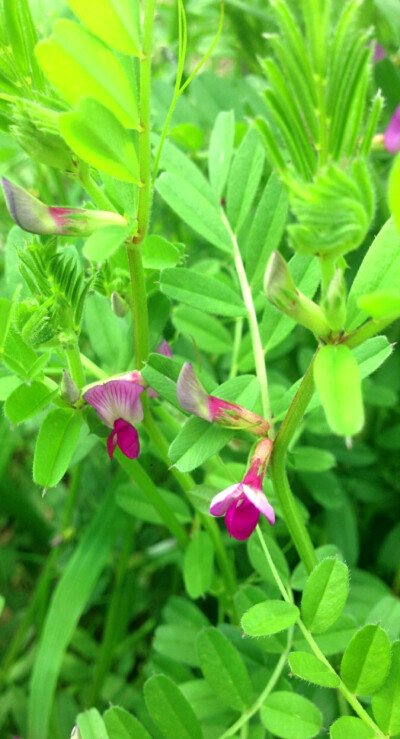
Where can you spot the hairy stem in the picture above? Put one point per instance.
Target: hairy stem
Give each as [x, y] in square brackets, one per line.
[291, 513]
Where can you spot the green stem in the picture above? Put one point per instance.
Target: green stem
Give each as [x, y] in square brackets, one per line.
[92, 368]
[365, 332]
[291, 513]
[253, 324]
[92, 189]
[75, 366]
[351, 699]
[139, 303]
[145, 191]
[328, 266]
[236, 348]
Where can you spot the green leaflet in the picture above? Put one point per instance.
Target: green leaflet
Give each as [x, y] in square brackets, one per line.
[366, 661]
[338, 382]
[79, 65]
[308, 667]
[169, 710]
[224, 669]
[196, 289]
[116, 22]
[122, 725]
[325, 595]
[198, 565]
[55, 445]
[244, 179]
[287, 715]
[221, 150]
[27, 400]
[269, 617]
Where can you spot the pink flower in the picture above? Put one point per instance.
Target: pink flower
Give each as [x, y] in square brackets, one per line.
[392, 133]
[118, 405]
[242, 503]
[34, 216]
[379, 53]
[193, 398]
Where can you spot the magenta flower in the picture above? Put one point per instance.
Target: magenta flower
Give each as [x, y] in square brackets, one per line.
[193, 398]
[392, 134]
[242, 503]
[34, 216]
[118, 405]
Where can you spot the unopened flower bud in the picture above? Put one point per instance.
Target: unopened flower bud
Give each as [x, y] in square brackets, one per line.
[282, 292]
[334, 302]
[118, 305]
[34, 216]
[69, 390]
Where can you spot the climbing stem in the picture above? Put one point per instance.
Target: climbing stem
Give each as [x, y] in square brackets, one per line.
[290, 510]
[139, 304]
[96, 193]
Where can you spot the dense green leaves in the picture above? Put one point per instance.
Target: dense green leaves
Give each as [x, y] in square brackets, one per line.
[288, 715]
[325, 595]
[55, 445]
[366, 661]
[169, 710]
[337, 379]
[223, 669]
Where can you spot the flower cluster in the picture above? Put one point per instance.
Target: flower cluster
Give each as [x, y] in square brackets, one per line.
[242, 503]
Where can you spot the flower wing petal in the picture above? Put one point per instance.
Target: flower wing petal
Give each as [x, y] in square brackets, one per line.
[127, 439]
[221, 502]
[260, 501]
[241, 519]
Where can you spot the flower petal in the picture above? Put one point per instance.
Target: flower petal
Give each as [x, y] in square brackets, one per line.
[127, 438]
[116, 399]
[191, 394]
[260, 501]
[27, 211]
[111, 444]
[221, 502]
[241, 519]
[392, 133]
[164, 349]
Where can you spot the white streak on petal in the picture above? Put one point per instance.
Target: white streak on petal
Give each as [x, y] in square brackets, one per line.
[221, 502]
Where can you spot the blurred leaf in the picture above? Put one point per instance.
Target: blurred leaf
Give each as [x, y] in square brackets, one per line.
[208, 333]
[325, 595]
[198, 565]
[66, 607]
[79, 65]
[221, 150]
[193, 288]
[350, 726]
[366, 661]
[169, 710]
[91, 725]
[244, 179]
[5, 319]
[259, 562]
[381, 305]
[159, 253]
[223, 669]
[55, 445]
[269, 617]
[338, 382]
[104, 242]
[22, 38]
[116, 22]
[288, 715]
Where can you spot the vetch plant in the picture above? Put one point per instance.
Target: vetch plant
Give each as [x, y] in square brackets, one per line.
[215, 290]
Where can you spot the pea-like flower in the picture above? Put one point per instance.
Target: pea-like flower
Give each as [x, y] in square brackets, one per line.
[34, 216]
[117, 403]
[194, 398]
[243, 502]
[392, 134]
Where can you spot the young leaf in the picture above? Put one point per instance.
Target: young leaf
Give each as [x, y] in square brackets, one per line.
[198, 565]
[244, 179]
[325, 595]
[287, 715]
[379, 272]
[350, 726]
[122, 725]
[266, 230]
[91, 725]
[308, 667]
[27, 400]
[269, 617]
[116, 22]
[386, 703]
[55, 445]
[223, 669]
[338, 382]
[98, 138]
[366, 661]
[195, 288]
[79, 65]
[221, 150]
[170, 711]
